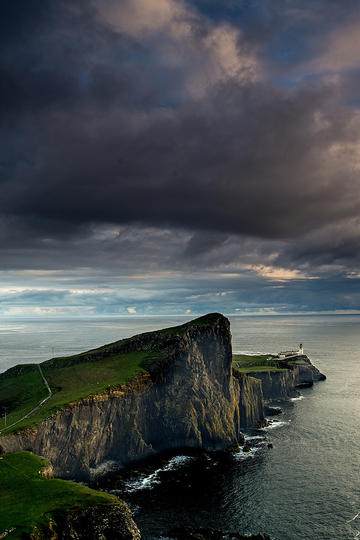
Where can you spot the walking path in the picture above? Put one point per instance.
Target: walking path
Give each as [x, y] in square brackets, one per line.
[37, 406]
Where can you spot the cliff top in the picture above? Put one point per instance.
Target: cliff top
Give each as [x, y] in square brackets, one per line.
[27, 498]
[30, 393]
[247, 363]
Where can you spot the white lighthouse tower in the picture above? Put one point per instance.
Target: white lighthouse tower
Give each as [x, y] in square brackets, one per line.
[301, 349]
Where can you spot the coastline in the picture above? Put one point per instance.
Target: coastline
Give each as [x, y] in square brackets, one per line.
[237, 394]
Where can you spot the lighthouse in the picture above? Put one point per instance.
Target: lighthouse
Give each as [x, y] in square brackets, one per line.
[301, 349]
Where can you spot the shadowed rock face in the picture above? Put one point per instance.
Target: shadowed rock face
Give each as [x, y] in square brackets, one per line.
[251, 400]
[188, 400]
[284, 384]
[96, 522]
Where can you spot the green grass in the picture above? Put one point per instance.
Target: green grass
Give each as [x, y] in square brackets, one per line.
[20, 393]
[296, 362]
[75, 377]
[206, 320]
[28, 499]
[258, 369]
[245, 363]
[69, 383]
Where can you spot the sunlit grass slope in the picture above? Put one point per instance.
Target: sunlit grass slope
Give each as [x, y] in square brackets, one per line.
[28, 499]
[255, 363]
[68, 383]
[74, 377]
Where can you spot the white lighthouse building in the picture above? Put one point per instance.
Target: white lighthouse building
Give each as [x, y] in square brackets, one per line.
[285, 354]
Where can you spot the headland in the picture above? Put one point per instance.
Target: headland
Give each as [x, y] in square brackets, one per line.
[175, 388]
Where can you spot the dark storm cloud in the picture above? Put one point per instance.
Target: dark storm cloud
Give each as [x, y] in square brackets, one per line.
[165, 124]
[244, 162]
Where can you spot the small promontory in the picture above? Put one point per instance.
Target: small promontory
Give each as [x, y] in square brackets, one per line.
[35, 506]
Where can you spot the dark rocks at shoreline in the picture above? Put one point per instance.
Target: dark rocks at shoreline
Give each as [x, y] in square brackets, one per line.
[187, 533]
[306, 384]
[273, 411]
[102, 522]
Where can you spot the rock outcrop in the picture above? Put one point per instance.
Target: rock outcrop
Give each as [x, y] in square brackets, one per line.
[189, 399]
[103, 522]
[282, 385]
[262, 387]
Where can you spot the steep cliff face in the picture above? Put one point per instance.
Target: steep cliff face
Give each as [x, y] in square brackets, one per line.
[277, 384]
[308, 372]
[251, 400]
[186, 400]
[283, 384]
[96, 522]
[256, 390]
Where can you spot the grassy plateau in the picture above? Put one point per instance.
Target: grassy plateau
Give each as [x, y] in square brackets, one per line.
[246, 363]
[68, 381]
[28, 499]
[74, 377]
[255, 363]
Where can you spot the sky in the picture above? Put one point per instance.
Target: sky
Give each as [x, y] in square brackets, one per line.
[179, 157]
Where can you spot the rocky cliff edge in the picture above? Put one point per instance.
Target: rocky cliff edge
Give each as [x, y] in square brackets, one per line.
[188, 399]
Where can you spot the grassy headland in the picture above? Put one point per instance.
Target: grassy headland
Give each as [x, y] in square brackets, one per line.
[246, 363]
[75, 377]
[28, 499]
[68, 381]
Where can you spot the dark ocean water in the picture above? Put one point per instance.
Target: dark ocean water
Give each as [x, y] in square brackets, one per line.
[306, 487]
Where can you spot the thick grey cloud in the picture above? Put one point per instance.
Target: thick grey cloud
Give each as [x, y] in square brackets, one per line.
[165, 135]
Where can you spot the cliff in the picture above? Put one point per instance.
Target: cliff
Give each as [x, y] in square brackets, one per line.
[278, 381]
[181, 391]
[251, 400]
[283, 384]
[186, 398]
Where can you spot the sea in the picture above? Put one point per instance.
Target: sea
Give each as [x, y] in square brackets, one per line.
[306, 487]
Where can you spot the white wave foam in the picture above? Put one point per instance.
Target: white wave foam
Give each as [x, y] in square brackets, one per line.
[299, 398]
[276, 424]
[103, 468]
[177, 461]
[355, 517]
[255, 437]
[147, 482]
[240, 455]
[144, 483]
